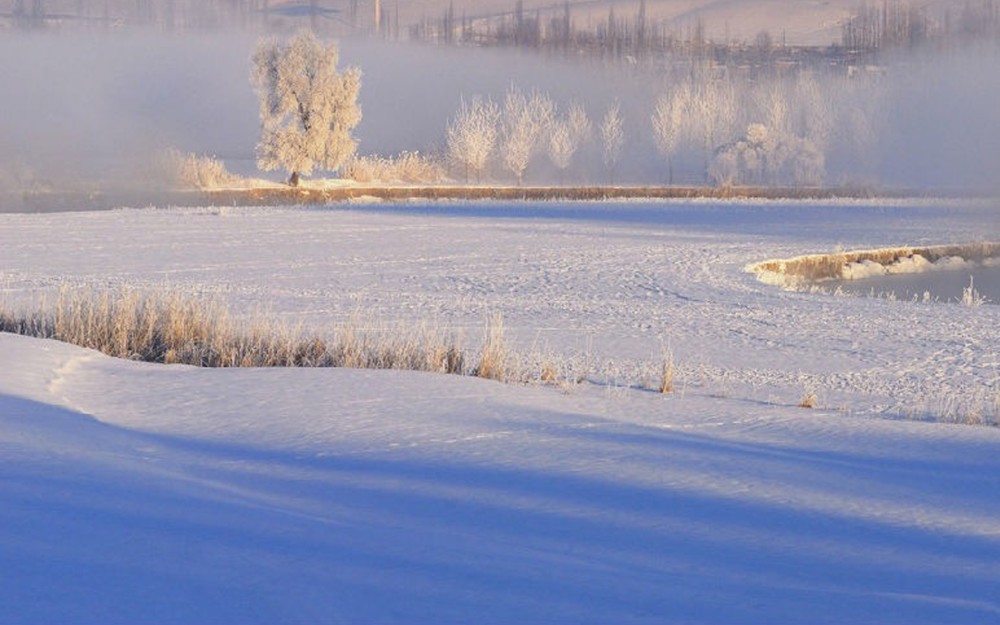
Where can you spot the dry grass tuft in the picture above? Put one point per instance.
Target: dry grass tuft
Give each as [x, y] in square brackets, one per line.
[667, 374]
[809, 400]
[495, 358]
[549, 374]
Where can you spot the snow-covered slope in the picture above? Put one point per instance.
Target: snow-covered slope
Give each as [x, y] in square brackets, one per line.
[142, 493]
[135, 492]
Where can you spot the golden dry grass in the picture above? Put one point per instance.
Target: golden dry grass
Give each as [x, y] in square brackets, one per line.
[494, 361]
[809, 400]
[667, 374]
[173, 328]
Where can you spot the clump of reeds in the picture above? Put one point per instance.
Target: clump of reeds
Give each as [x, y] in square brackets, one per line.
[173, 328]
[667, 373]
[494, 361]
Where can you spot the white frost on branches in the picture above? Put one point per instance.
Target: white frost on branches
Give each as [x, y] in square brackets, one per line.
[567, 135]
[472, 135]
[307, 108]
[668, 119]
[525, 121]
[765, 157]
[612, 138]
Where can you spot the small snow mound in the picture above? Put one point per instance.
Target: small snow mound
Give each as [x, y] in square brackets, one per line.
[915, 263]
[910, 264]
[863, 269]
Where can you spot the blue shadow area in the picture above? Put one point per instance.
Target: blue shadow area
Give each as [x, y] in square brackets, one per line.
[110, 525]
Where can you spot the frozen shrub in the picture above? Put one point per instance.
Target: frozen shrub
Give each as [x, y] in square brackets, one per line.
[191, 171]
[407, 168]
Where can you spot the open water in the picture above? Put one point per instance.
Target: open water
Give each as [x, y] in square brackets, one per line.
[942, 286]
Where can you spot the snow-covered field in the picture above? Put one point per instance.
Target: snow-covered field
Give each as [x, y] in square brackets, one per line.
[145, 493]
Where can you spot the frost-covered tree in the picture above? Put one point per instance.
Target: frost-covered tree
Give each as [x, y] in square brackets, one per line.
[579, 122]
[307, 107]
[472, 135]
[765, 157]
[668, 124]
[567, 135]
[814, 114]
[713, 113]
[524, 122]
[612, 138]
[561, 146]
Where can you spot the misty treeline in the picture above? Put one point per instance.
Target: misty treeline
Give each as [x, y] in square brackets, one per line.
[872, 27]
[895, 24]
[162, 14]
[328, 17]
[620, 34]
[802, 130]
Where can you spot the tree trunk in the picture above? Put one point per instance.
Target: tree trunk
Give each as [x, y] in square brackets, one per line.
[293, 180]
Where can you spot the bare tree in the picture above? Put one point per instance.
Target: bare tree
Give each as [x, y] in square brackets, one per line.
[307, 107]
[472, 135]
[524, 122]
[613, 138]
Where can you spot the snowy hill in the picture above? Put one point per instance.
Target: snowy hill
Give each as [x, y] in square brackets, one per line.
[168, 494]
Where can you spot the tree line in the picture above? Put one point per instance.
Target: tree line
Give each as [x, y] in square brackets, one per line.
[730, 130]
[895, 24]
[635, 37]
[721, 131]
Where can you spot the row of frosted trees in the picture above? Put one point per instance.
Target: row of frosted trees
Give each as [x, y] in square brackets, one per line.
[784, 130]
[525, 126]
[725, 131]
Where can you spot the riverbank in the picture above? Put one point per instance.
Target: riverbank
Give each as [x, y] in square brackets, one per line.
[277, 195]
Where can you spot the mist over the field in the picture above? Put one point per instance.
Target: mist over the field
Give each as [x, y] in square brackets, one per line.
[943, 123]
[81, 108]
